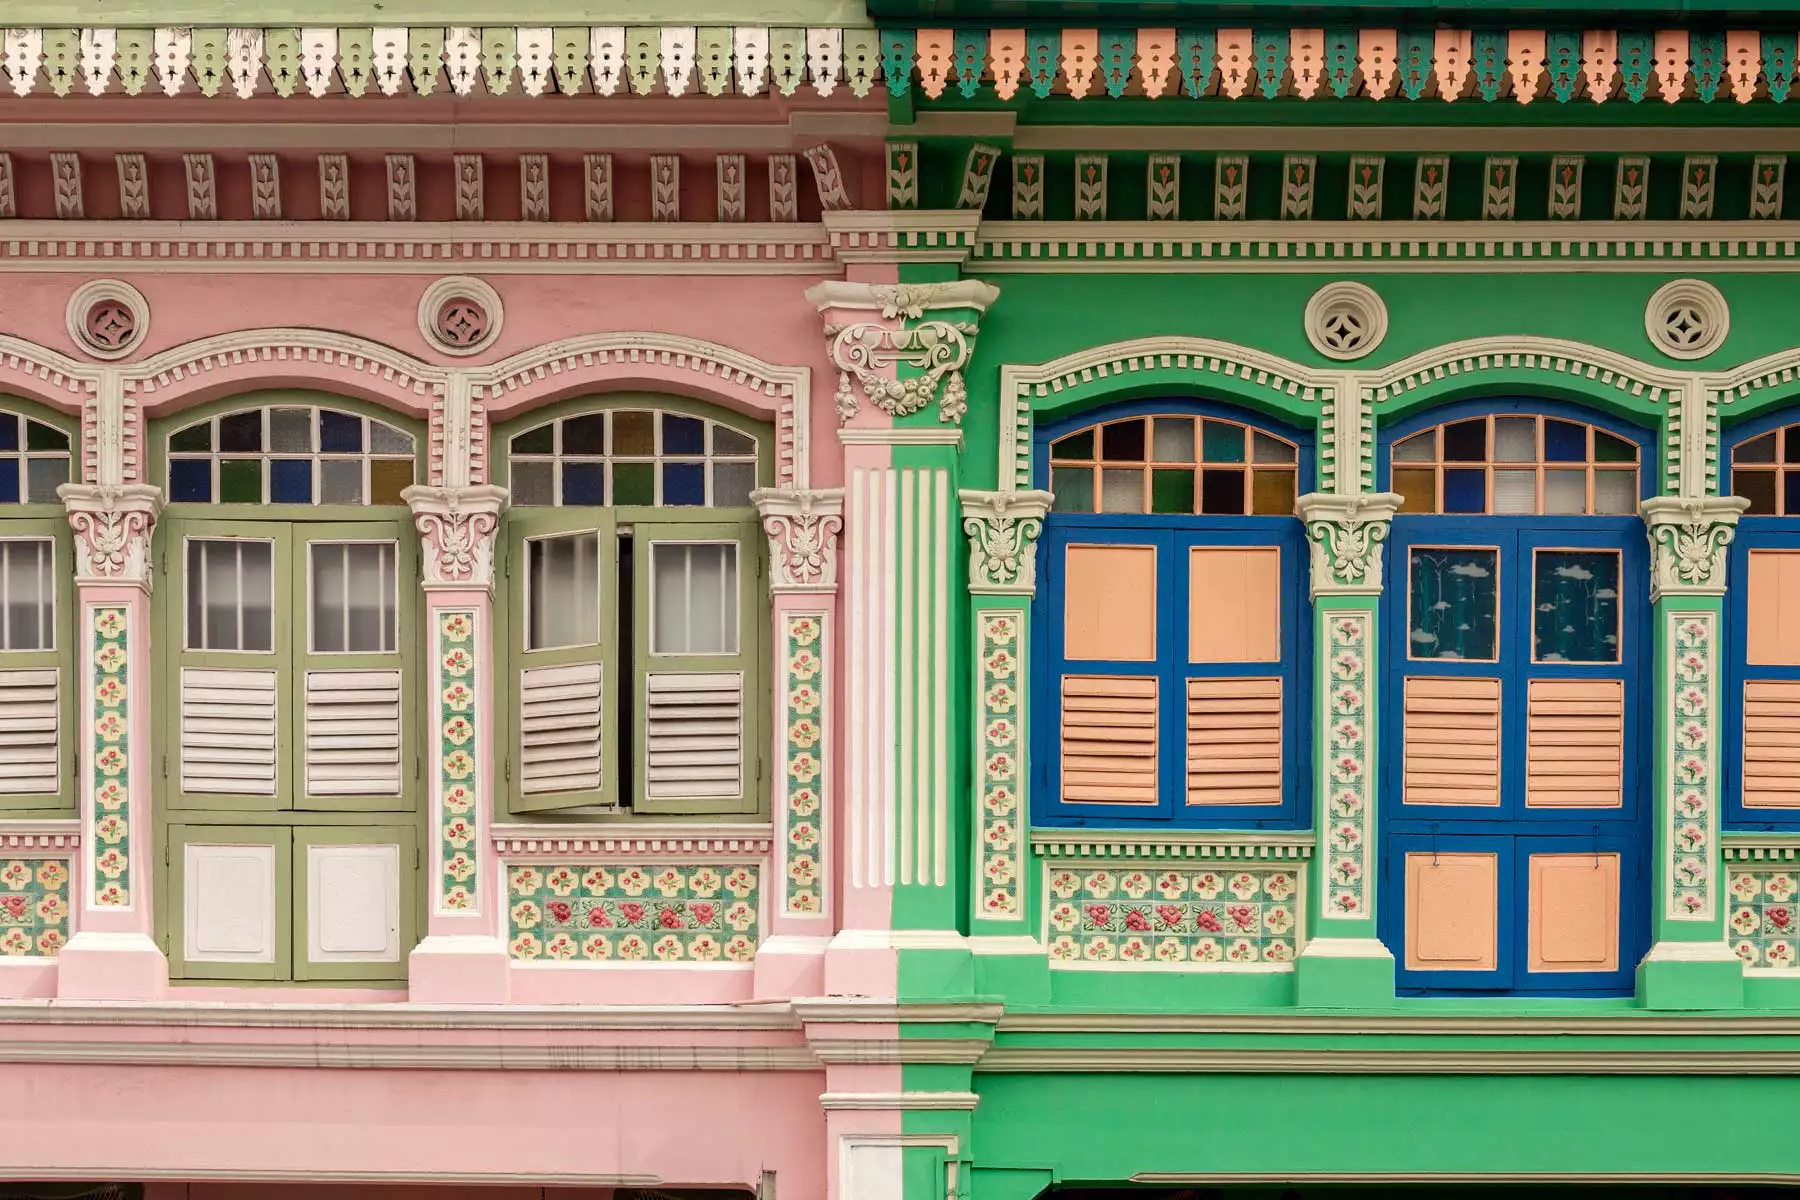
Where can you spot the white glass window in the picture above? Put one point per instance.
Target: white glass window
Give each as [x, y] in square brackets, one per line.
[562, 591]
[354, 598]
[27, 595]
[231, 594]
[694, 598]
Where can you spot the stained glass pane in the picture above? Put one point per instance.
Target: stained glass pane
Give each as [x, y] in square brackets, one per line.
[1575, 597]
[340, 433]
[39, 436]
[584, 483]
[1565, 492]
[1515, 439]
[1608, 448]
[1615, 493]
[1174, 440]
[341, 481]
[9, 431]
[1420, 447]
[1222, 442]
[1515, 492]
[1465, 490]
[241, 431]
[1756, 450]
[387, 478]
[1073, 488]
[1418, 488]
[1172, 491]
[1123, 441]
[1078, 447]
[194, 437]
[1272, 449]
[290, 430]
[1564, 441]
[1122, 490]
[385, 439]
[584, 435]
[1758, 487]
[42, 477]
[541, 440]
[633, 483]
[190, 480]
[531, 483]
[634, 433]
[9, 481]
[730, 441]
[1222, 491]
[683, 435]
[732, 484]
[240, 481]
[1453, 603]
[684, 484]
[1466, 441]
[1790, 445]
[291, 481]
[1790, 488]
[1273, 494]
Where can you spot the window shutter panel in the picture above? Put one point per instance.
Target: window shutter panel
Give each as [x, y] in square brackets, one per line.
[1109, 739]
[1575, 743]
[353, 733]
[1452, 741]
[28, 732]
[228, 732]
[694, 734]
[1772, 743]
[560, 728]
[1234, 741]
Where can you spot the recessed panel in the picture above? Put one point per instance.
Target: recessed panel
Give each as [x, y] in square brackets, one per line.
[1109, 604]
[229, 903]
[1234, 604]
[1452, 912]
[1574, 918]
[353, 903]
[1772, 617]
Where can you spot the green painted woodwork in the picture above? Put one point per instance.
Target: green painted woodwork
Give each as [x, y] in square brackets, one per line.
[172, 884]
[404, 839]
[49, 522]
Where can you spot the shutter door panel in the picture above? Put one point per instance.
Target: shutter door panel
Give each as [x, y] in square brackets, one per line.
[1452, 741]
[1109, 739]
[1234, 741]
[694, 734]
[28, 733]
[228, 733]
[1575, 741]
[1772, 743]
[353, 733]
[559, 723]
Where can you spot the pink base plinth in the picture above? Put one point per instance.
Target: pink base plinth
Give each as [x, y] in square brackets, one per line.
[111, 966]
[861, 963]
[458, 970]
[789, 965]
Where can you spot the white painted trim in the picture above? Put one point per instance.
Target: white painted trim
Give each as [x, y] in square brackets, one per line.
[445, 1056]
[62, 835]
[899, 939]
[899, 1101]
[287, 1015]
[448, 288]
[1691, 952]
[232, 1175]
[1024, 943]
[1118, 966]
[950, 436]
[748, 841]
[1344, 947]
[1185, 1060]
[848, 1010]
[1399, 1022]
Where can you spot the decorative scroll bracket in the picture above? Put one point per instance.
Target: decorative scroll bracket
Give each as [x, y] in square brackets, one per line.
[868, 353]
[1688, 536]
[1003, 529]
[112, 524]
[457, 530]
[803, 529]
[1346, 533]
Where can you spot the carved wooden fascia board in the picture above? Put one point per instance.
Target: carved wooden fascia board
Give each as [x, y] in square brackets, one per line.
[457, 530]
[1688, 536]
[1346, 532]
[803, 527]
[112, 524]
[867, 353]
[1003, 529]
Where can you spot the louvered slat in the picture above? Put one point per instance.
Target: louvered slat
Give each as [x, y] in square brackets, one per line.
[353, 733]
[28, 733]
[228, 731]
[1575, 743]
[694, 735]
[1772, 743]
[1108, 739]
[559, 723]
[1452, 751]
[1234, 741]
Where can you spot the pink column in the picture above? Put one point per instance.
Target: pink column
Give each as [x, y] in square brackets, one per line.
[463, 958]
[113, 954]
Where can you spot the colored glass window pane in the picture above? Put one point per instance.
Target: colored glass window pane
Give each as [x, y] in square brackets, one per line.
[532, 483]
[1564, 441]
[1418, 490]
[9, 431]
[1073, 488]
[731, 442]
[634, 433]
[1466, 441]
[568, 461]
[9, 481]
[241, 432]
[194, 437]
[1465, 490]
[683, 435]
[1272, 494]
[1575, 606]
[634, 483]
[1508, 448]
[190, 480]
[584, 483]
[541, 440]
[584, 434]
[1222, 442]
[240, 481]
[1272, 450]
[39, 436]
[684, 484]
[1608, 448]
[1172, 491]
[1453, 597]
[1758, 487]
[387, 478]
[1123, 441]
[340, 433]
[1078, 447]
[291, 481]
[1222, 492]
[1756, 450]
[306, 455]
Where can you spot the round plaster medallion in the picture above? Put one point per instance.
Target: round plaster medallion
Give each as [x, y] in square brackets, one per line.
[1687, 318]
[460, 315]
[108, 318]
[1345, 320]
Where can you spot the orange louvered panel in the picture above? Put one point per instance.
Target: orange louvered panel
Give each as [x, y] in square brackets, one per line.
[1772, 743]
[1575, 743]
[1452, 728]
[1108, 739]
[1234, 741]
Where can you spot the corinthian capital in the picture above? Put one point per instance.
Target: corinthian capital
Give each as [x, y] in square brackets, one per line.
[1346, 533]
[1688, 536]
[803, 528]
[1003, 529]
[869, 352]
[457, 529]
[112, 524]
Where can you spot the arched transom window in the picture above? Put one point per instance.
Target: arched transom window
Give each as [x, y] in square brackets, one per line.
[1174, 465]
[1516, 466]
[34, 460]
[1766, 471]
[290, 455]
[633, 457]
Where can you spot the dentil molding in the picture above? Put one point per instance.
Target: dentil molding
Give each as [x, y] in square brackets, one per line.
[1688, 536]
[457, 530]
[1346, 532]
[803, 526]
[112, 524]
[870, 351]
[1003, 529]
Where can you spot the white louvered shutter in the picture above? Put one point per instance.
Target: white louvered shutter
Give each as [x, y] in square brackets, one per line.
[560, 711]
[228, 731]
[28, 731]
[694, 735]
[352, 736]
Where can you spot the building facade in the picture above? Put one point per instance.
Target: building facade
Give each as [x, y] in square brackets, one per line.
[928, 602]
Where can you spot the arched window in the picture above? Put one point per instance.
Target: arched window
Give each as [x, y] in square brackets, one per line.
[1171, 619]
[36, 608]
[1517, 700]
[634, 608]
[288, 611]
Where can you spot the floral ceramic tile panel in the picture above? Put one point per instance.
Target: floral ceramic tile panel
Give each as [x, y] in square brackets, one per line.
[1001, 849]
[34, 907]
[1693, 767]
[111, 759]
[457, 844]
[804, 773]
[1228, 915]
[1764, 926]
[626, 912]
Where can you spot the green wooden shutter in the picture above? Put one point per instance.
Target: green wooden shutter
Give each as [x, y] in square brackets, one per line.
[562, 696]
[39, 688]
[696, 739]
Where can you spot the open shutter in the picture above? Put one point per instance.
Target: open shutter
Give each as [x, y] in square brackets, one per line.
[698, 637]
[562, 624]
[37, 692]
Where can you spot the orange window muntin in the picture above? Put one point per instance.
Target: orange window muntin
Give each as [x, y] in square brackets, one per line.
[1433, 468]
[1764, 469]
[1175, 464]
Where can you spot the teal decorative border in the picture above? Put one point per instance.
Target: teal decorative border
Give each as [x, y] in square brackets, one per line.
[110, 772]
[1158, 916]
[458, 850]
[34, 907]
[1350, 736]
[1693, 766]
[634, 912]
[804, 713]
[1001, 853]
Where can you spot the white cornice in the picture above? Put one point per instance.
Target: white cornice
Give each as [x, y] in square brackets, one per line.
[1132, 846]
[663, 840]
[507, 1056]
[57, 835]
[279, 1015]
[1398, 1023]
[1185, 1060]
[899, 1101]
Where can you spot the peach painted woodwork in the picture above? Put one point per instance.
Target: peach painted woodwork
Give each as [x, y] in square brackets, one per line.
[1156, 58]
[1109, 604]
[1234, 741]
[1450, 48]
[1600, 62]
[937, 50]
[1574, 912]
[1006, 54]
[1772, 743]
[1452, 742]
[1080, 59]
[1377, 50]
[1234, 604]
[1452, 912]
[1575, 743]
[1237, 56]
[1772, 616]
[1525, 63]
[1109, 739]
[1306, 56]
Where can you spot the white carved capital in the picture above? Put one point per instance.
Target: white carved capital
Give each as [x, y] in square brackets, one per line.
[1346, 532]
[869, 352]
[1688, 536]
[457, 530]
[112, 524]
[1003, 529]
[803, 528]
